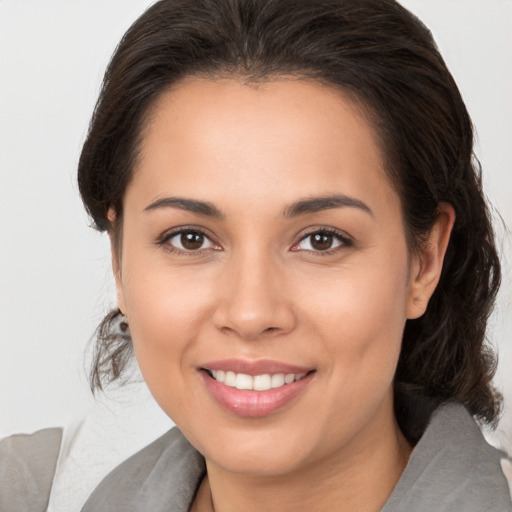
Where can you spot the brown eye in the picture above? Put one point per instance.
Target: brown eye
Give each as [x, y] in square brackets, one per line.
[190, 241]
[322, 241]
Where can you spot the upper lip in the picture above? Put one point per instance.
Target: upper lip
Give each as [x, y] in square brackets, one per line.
[259, 367]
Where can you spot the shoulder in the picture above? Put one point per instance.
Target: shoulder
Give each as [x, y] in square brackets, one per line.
[452, 468]
[162, 476]
[27, 468]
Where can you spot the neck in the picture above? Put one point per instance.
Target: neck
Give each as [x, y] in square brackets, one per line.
[359, 478]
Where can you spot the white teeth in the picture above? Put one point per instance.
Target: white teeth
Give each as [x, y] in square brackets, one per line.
[230, 379]
[262, 382]
[278, 380]
[243, 381]
[288, 379]
[258, 382]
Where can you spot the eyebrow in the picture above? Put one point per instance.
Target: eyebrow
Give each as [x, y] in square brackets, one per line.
[318, 204]
[189, 205]
[302, 207]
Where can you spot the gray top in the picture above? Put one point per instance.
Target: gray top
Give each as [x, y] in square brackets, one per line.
[27, 466]
[452, 468]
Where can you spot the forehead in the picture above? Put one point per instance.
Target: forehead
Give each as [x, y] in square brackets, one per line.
[227, 137]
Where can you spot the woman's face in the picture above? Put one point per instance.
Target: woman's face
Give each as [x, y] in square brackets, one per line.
[264, 249]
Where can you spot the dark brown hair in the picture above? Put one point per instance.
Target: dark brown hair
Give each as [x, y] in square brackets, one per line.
[375, 51]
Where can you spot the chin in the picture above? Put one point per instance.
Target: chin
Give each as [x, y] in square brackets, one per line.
[258, 451]
[262, 463]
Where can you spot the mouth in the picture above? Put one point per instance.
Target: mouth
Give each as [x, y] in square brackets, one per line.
[255, 389]
[262, 382]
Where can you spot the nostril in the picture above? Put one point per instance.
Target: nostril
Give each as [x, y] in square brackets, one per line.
[252, 319]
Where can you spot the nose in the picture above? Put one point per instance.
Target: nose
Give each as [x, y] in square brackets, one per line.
[253, 300]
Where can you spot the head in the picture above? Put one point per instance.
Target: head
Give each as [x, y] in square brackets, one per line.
[383, 68]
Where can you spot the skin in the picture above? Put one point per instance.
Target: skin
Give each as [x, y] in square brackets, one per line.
[257, 289]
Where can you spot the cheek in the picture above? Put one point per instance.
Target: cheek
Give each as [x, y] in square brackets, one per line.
[361, 314]
[166, 311]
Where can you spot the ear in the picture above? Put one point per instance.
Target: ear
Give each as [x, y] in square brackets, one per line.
[427, 265]
[116, 263]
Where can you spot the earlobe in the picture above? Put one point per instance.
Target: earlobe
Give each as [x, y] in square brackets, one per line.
[428, 263]
[116, 263]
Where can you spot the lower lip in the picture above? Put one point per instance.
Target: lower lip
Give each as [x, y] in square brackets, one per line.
[251, 403]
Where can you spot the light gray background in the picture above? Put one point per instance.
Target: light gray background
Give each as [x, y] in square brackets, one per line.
[55, 281]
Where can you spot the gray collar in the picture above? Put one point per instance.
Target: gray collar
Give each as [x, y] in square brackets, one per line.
[452, 468]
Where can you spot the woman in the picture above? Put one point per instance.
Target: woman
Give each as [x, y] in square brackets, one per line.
[303, 257]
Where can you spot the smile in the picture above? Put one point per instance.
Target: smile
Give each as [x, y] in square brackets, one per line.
[262, 382]
[255, 388]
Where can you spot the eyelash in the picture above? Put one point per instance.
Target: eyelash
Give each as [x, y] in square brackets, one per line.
[167, 237]
[339, 236]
